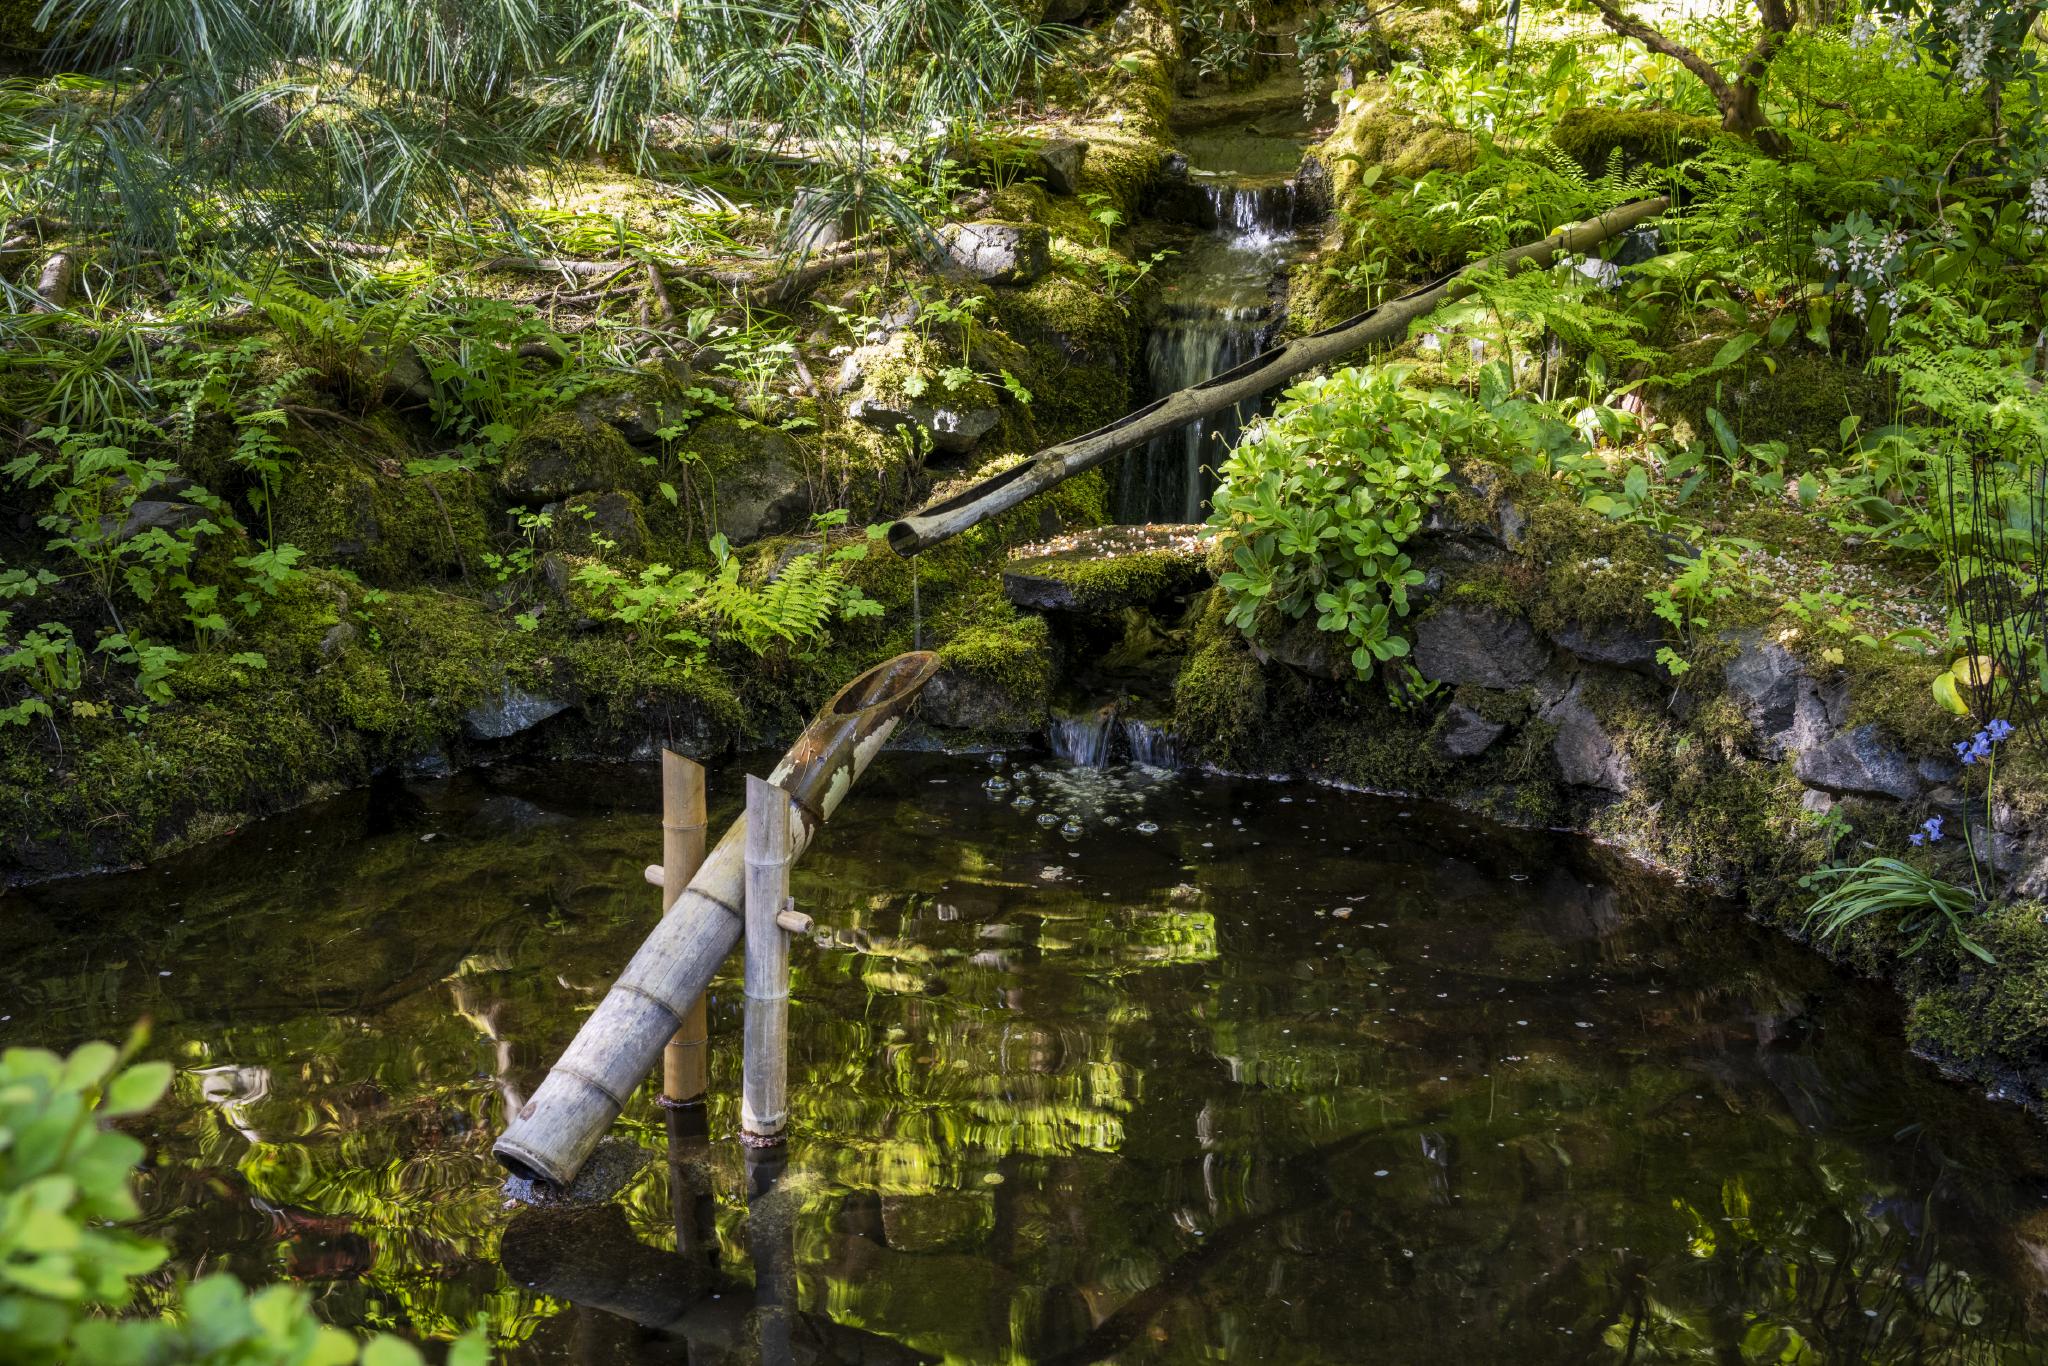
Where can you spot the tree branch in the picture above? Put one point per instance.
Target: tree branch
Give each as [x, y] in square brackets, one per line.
[1630, 27]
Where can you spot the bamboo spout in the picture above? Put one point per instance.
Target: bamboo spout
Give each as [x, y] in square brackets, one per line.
[556, 1130]
[943, 520]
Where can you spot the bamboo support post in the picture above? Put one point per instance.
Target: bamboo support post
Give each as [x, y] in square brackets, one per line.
[554, 1132]
[685, 1066]
[764, 1087]
[1260, 375]
[771, 1244]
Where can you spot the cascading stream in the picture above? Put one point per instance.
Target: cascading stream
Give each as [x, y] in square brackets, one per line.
[1214, 316]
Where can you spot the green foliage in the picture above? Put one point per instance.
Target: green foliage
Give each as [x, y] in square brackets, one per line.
[1919, 904]
[1316, 503]
[68, 1270]
[671, 610]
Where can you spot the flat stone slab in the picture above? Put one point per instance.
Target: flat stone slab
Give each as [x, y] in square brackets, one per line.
[1105, 569]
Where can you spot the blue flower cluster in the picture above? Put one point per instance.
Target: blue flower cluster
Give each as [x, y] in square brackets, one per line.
[1978, 746]
[1928, 833]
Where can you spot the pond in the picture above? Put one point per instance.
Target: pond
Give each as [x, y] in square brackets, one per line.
[1089, 1065]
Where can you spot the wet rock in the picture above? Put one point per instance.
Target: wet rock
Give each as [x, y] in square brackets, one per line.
[957, 700]
[937, 1222]
[954, 431]
[613, 1163]
[998, 253]
[1473, 643]
[1466, 734]
[1058, 163]
[1586, 751]
[1860, 763]
[1619, 644]
[515, 710]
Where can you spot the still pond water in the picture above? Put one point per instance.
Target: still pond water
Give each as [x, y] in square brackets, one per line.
[1099, 1066]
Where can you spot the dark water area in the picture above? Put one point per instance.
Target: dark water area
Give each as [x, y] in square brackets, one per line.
[1089, 1065]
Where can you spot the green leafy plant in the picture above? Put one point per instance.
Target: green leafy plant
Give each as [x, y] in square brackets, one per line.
[69, 1288]
[1921, 904]
[1316, 503]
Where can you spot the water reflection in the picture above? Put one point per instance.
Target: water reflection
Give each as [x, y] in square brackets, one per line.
[1296, 1076]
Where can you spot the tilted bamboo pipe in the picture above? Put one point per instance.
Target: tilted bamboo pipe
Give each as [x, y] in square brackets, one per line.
[556, 1130]
[926, 528]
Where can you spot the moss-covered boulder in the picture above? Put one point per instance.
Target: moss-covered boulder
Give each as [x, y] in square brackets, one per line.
[995, 678]
[756, 476]
[564, 454]
[1106, 569]
[345, 509]
[1638, 137]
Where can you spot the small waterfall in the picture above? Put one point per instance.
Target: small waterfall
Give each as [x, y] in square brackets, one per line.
[1215, 311]
[1083, 739]
[1149, 742]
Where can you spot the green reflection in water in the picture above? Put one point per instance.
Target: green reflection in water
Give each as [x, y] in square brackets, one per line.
[1298, 1076]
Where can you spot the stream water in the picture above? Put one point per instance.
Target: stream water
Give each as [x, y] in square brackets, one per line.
[1218, 307]
[1098, 1064]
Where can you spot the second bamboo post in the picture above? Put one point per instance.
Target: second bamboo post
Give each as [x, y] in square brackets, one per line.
[685, 1070]
[764, 1086]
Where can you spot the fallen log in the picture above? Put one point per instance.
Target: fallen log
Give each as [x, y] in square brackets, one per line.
[1055, 464]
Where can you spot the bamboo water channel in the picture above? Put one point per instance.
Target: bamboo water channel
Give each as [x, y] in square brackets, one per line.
[741, 888]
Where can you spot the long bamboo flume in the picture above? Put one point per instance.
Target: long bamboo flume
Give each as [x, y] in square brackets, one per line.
[620, 1043]
[1261, 374]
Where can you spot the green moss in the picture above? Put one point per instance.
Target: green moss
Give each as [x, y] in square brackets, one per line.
[1594, 571]
[1108, 584]
[352, 508]
[1989, 1016]
[1800, 402]
[559, 455]
[1219, 700]
[1655, 137]
[1011, 651]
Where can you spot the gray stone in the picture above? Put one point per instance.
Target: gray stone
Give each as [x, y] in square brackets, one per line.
[339, 637]
[998, 253]
[960, 701]
[515, 710]
[150, 514]
[1468, 643]
[1466, 734]
[1785, 706]
[1859, 763]
[1586, 752]
[953, 431]
[1618, 644]
[1058, 163]
[640, 413]
[766, 493]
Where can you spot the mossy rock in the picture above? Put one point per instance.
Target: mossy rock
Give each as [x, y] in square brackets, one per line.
[619, 520]
[1800, 402]
[561, 455]
[1641, 137]
[389, 528]
[756, 475]
[995, 677]
[1103, 571]
[1219, 699]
